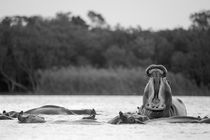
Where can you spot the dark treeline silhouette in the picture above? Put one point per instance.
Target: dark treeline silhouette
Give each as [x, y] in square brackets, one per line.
[32, 44]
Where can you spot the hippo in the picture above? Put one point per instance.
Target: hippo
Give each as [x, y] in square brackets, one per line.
[91, 117]
[5, 117]
[30, 118]
[128, 118]
[34, 118]
[157, 98]
[57, 110]
[134, 118]
[12, 114]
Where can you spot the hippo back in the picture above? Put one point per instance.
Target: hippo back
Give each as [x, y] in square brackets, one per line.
[177, 108]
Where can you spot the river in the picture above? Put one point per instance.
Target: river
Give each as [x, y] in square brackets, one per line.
[61, 126]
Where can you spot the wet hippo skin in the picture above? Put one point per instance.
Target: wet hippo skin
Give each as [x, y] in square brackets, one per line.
[157, 98]
[57, 110]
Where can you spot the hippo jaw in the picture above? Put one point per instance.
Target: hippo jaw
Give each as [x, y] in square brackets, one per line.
[158, 95]
[157, 98]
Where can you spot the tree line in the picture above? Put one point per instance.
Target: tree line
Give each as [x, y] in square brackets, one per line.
[31, 44]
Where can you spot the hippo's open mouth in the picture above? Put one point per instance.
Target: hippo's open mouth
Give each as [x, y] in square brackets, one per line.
[154, 110]
[154, 113]
[158, 111]
[155, 106]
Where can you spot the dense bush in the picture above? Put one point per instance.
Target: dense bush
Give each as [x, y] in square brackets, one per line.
[87, 80]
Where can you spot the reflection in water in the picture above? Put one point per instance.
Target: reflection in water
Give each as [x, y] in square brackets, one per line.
[73, 127]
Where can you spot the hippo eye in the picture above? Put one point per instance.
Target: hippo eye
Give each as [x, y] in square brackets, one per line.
[131, 120]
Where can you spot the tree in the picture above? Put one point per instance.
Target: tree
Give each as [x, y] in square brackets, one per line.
[97, 20]
[201, 20]
[77, 20]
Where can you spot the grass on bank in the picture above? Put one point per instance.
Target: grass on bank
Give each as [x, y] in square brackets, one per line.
[119, 81]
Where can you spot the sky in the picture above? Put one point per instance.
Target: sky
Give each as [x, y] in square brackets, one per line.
[148, 14]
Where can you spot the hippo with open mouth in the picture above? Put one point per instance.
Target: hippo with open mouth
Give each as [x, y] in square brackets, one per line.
[157, 99]
[158, 103]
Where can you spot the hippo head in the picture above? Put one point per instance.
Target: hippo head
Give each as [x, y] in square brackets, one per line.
[30, 118]
[128, 118]
[157, 98]
[5, 113]
[21, 117]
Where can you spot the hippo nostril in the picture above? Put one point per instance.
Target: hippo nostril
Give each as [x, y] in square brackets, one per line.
[156, 106]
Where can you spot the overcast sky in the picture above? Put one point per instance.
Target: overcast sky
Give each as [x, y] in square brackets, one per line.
[155, 14]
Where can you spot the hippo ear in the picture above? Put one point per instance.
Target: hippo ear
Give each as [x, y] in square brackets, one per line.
[120, 113]
[93, 111]
[21, 113]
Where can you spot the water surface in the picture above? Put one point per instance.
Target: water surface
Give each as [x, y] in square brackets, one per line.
[68, 127]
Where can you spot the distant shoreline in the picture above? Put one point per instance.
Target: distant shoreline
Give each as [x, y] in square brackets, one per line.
[92, 81]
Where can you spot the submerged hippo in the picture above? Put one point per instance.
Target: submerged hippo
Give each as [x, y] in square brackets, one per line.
[128, 118]
[12, 114]
[30, 118]
[34, 118]
[134, 118]
[5, 117]
[57, 110]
